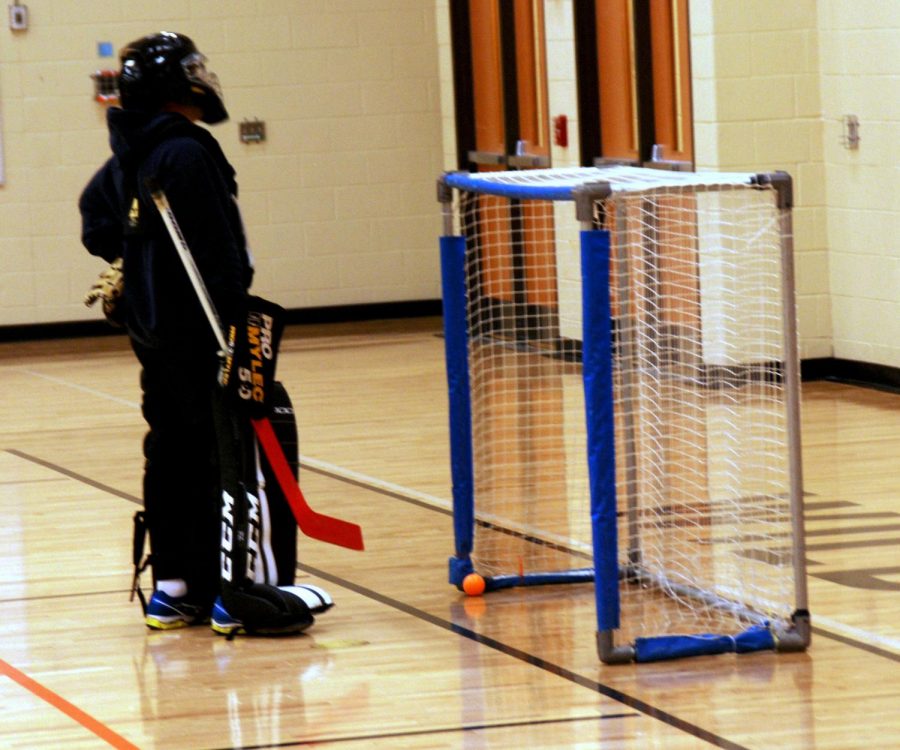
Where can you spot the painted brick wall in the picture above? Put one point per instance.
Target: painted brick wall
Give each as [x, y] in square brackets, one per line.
[757, 108]
[859, 45]
[339, 201]
[772, 81]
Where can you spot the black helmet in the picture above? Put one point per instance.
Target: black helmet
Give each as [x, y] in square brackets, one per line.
[167, 67]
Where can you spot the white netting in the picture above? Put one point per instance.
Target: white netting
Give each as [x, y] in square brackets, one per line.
[700, 416]
[530, 475]
[701, 433]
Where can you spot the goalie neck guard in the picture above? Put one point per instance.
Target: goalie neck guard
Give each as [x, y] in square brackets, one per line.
[168, 67]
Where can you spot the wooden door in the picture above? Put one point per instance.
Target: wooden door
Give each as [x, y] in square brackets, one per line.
[503, 123]
[634, 89]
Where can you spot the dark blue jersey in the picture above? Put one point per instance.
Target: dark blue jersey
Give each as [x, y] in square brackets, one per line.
[119, 219]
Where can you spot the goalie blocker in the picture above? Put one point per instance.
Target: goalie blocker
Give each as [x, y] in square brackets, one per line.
[248, 372]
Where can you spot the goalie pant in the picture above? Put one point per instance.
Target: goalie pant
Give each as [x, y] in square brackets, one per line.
[186, 537]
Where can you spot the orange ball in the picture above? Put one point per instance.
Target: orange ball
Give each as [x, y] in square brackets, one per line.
[473, 584]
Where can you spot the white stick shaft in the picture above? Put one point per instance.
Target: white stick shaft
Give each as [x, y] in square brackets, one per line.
[190, 265]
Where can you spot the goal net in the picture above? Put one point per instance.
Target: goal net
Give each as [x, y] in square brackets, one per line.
[622, 365]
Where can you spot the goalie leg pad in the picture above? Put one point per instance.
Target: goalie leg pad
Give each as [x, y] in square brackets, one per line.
[283, 526]
[316, 598]
[260, 609]
[248, 604]
[267, 610]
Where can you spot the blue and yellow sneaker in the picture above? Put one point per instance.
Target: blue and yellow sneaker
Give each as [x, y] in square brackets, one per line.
[166, 612]
[223, 623]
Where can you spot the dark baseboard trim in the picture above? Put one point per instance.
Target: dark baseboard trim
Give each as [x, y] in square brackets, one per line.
[882, 377]
[71, 330]
[364, 312]
[302, 316]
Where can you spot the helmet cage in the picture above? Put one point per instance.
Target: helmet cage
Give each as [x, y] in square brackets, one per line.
[195, 71]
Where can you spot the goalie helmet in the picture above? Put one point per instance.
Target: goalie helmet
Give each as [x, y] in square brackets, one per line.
[168, 67]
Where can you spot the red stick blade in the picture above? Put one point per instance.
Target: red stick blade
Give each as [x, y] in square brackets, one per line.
[314, 525]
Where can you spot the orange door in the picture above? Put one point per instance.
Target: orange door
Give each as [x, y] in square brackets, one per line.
[634, 81]
[671, 81]
[503, 123]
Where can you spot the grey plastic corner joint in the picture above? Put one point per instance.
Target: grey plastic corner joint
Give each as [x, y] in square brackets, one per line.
[783, 185]
[586, 196]
[798, 637]
[444, 191]
[610, 653]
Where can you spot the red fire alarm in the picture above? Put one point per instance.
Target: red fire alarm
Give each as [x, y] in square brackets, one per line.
[561, 130]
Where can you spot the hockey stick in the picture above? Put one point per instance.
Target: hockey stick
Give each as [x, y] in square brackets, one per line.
[312, 524]
[190, 265]
[315, 525]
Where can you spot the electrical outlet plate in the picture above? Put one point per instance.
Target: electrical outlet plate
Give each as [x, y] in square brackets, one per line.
[252, 131]
[850, 132]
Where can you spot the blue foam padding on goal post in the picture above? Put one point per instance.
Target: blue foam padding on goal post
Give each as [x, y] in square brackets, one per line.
[755, 638]
[508, 580]
[679, 646]
[598, 398]
[456, 348]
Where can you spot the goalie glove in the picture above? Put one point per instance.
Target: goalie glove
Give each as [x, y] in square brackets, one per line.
[108, 288]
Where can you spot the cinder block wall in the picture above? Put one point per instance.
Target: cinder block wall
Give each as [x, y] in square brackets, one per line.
[757, 108]
[339, 201]
[859, 52]
[772, 81]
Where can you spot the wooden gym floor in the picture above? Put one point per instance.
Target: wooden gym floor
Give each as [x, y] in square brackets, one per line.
[402, 661]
